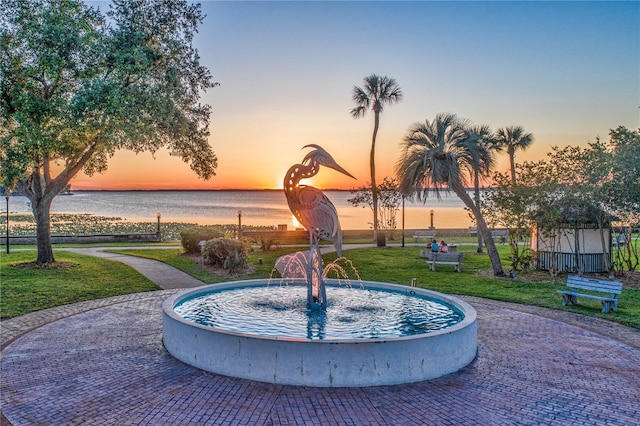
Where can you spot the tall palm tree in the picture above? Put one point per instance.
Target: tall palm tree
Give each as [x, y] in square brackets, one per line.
[486, 139]
[376, 92]
[440, 155]
[512, 139]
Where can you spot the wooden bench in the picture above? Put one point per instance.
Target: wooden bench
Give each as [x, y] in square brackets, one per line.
[500, 235]
[440, 258]
[496, 234]
[427, 235]
[575, 283]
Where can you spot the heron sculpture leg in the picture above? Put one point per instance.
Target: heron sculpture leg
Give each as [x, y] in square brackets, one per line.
[316, 293]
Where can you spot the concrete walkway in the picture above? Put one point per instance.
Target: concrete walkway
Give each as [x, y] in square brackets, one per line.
[163, 275]
[102, 363]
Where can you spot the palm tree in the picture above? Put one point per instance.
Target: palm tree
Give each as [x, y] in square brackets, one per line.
[439, 155]
[487, 140]
[377, 92]
[513, 138]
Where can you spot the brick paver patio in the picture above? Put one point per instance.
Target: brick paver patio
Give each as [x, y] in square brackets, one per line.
[103, 363]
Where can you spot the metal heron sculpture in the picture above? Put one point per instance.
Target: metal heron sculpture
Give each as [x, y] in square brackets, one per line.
[317, 214]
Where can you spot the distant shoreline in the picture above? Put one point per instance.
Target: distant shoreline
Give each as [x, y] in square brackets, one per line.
[228, 190]
[190, 190]
[263, 206]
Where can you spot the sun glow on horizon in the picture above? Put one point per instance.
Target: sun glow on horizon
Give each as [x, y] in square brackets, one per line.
[294, 87]
[295, 222]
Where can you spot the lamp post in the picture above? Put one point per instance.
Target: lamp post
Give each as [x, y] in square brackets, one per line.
[239, 224]
[7, 198]
[402, 220]
[158, 215]
[432, 227]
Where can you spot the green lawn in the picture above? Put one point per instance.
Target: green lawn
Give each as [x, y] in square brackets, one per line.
[400, 264]
[75, 279]
[27, 290]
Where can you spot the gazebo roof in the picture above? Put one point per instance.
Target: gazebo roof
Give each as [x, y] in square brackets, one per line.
[574, 211]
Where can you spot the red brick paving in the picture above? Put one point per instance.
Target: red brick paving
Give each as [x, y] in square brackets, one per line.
[103, 363]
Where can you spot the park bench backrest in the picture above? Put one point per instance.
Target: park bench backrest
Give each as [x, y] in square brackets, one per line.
[458, 255]
[613, 287]
[427, 235]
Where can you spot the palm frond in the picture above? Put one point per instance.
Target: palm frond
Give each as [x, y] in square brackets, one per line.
[358, 112]
[441, 155]
[376, 92]
[514, 138]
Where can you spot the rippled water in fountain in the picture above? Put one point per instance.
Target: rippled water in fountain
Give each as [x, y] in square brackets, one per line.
[352, 313]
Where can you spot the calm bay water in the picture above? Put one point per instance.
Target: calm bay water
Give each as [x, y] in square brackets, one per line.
[221, 207]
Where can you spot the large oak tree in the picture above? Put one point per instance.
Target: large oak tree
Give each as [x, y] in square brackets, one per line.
[76, 86]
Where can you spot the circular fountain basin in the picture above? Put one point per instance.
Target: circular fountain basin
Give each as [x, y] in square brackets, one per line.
[326, 361]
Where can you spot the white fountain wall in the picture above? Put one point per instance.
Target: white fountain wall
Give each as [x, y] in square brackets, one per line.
[322, 363]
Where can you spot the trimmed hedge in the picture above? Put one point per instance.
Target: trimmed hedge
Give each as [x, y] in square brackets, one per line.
[190, 237]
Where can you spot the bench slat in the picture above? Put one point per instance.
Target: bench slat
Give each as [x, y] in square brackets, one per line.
[614, 287]
[439, 256]
[588, 296]
[593, 288]
[429, 235]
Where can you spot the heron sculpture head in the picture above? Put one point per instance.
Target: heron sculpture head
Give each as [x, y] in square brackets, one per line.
[322, 157]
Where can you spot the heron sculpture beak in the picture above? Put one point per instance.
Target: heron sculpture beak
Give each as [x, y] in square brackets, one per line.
[336, 166]
[323, 157]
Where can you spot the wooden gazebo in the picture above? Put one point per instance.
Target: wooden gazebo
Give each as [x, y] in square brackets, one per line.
[579, 242]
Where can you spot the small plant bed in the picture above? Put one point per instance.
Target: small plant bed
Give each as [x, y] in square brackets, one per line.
[219, 271]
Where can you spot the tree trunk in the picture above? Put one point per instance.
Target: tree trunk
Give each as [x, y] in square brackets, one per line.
[512, 164]
[476, 182]
[372, 165]
[576, 250]
[41, 208]
[606, 253]
[492, 250]
[41, 189]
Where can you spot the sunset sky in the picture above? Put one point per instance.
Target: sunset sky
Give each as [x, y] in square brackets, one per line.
[566, 71]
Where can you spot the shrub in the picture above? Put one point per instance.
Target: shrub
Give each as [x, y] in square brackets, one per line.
[190, 237]
[265, 241]
[225, 253]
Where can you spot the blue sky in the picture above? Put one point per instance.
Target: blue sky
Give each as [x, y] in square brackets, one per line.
[566, 71]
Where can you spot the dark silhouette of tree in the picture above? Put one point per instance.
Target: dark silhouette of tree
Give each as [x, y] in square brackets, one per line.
[482, 133]
[512, 139]
[374, 95]
[440, 155]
